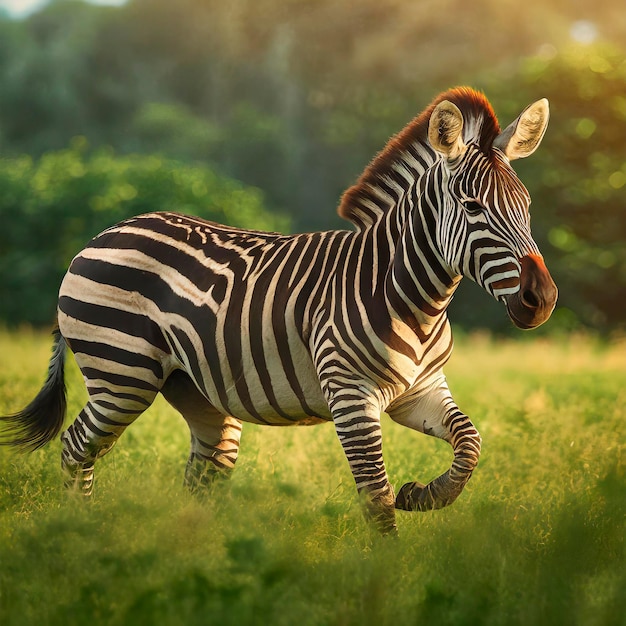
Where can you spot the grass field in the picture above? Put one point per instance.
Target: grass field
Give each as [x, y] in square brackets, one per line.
[537, 538]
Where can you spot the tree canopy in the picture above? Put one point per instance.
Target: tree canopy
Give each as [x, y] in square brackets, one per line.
[293, 98]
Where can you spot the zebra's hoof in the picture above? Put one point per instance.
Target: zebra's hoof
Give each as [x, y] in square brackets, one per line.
[379, 510]
[79, 479]
[408, 498]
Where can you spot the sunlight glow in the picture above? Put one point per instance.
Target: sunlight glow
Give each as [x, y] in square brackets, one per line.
[584, 31]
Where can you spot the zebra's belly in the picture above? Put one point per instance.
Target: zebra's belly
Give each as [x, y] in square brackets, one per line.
[262, 380]
[284, 409]
[272, 397]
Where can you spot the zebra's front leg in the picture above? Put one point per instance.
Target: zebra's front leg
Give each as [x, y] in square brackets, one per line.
[436, 413]
[359, 431]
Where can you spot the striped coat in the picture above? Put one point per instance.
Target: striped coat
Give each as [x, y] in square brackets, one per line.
[237, 326]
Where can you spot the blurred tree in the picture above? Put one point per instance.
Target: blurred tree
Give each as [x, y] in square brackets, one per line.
[296, 97]
[43, 76]
[174, 130]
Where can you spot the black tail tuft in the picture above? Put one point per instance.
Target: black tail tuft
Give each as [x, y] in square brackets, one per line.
[42, 420]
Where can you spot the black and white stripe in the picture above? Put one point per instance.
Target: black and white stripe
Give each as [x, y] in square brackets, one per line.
[239, 326]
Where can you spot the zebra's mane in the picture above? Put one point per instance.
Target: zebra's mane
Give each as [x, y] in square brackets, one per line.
[408, 154]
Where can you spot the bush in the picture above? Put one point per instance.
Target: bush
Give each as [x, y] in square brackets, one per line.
[50, 208]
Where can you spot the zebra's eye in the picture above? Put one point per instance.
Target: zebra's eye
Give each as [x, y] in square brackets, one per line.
[473, 208]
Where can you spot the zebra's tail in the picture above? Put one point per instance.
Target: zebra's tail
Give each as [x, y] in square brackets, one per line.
[42, 420]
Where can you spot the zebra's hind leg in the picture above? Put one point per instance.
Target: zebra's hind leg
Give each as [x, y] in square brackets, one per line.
[96, 430]
[436, 414]
[214, 437]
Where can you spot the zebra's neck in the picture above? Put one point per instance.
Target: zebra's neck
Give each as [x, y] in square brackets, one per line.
[388, 179]
[419, 284]
[394, 207]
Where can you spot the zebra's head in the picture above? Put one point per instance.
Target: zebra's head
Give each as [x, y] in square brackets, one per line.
[483, 226]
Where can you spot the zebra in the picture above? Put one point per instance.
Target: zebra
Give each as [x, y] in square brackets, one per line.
[234, 326]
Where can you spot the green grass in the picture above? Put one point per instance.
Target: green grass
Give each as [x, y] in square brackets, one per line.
[537, 538]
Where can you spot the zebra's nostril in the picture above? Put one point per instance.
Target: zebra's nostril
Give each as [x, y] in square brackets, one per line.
[530, 299]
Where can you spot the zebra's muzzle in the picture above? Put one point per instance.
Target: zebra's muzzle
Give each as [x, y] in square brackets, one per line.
[533, 304]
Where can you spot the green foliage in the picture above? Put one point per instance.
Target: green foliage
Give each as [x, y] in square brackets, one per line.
[187, 136]
[536, 538]
[296, 97]
[51, 207]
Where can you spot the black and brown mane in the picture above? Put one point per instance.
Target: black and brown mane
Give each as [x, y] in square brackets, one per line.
[480, 120]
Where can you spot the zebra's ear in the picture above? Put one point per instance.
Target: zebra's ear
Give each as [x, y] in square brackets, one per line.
[445, 130]
[523, 136]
